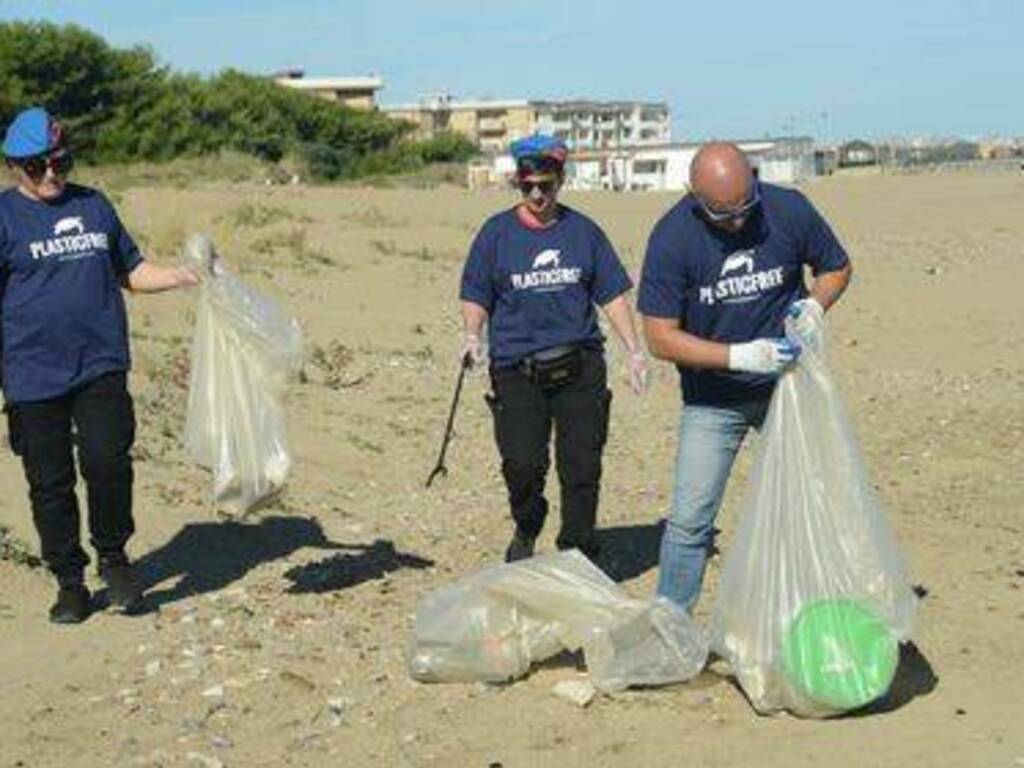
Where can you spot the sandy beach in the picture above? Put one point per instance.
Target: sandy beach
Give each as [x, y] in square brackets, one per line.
[279, 638]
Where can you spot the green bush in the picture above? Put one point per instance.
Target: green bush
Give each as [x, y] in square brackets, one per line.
[120, 106]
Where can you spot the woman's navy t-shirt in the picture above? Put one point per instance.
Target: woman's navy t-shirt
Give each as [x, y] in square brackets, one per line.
[734, 287]
[540, 286]
[63, 316]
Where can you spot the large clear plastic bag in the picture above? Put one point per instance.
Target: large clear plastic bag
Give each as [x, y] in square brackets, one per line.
[813, 600]
[245, 349]
[492, 625]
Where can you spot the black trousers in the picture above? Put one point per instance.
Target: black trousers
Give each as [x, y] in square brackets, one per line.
[99, 419]
[524, 414]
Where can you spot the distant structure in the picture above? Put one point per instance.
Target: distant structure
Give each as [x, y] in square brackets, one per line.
[587, 124]
[354, 92]
[857, 153]
[583, 124]
[658, 167]
[491, 124]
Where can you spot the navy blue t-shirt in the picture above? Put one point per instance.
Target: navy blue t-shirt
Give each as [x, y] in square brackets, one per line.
[540, 286]
[63, 319]
[734, 287]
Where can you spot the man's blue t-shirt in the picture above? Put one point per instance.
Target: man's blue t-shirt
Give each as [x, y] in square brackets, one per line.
[734, 287]
[63, 319]
[540, 286]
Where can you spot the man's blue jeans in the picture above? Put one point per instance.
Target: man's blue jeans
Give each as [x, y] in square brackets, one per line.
[709, 438]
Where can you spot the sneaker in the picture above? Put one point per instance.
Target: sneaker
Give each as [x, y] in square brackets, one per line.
[520, 548]
[73, 605]
[123, 585]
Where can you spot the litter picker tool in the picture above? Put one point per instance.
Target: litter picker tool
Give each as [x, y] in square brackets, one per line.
[440, 468]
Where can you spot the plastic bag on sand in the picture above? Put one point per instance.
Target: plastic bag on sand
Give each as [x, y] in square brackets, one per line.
[812, 602]
[245, 349]
[492, 625]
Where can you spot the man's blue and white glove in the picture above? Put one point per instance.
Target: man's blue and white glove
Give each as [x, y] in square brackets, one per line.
[763, 355]
[806, 320]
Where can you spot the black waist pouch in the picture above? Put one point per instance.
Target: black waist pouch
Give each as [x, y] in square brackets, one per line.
[554, 367]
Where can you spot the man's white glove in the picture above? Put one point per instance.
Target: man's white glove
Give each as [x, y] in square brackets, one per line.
[807, 320]
[473, 352]
[763, 355]
[638, 372]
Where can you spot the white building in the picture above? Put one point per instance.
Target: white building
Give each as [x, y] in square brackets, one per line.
[585, 124]
[663, 167]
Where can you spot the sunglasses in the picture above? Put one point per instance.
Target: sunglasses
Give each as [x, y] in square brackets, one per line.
[740, 211]
[547, 186]
[538, 164]
[35, 167]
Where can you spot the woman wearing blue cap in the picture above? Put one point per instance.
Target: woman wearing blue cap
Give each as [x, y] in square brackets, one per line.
[64, 258]
[534, 276]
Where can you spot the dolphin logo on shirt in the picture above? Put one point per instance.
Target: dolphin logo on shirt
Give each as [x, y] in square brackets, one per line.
[548, 259]
[69, 224]
[736, 261]
[547, 273]
[737, 281]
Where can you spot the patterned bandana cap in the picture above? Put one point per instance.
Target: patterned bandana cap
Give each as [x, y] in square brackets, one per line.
[540, 146]
[33, 132]
[539, 154]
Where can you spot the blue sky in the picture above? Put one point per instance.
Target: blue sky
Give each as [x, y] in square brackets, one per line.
[735, 69]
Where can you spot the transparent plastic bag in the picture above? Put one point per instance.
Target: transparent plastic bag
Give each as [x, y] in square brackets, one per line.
[492, 625]
[813, 600]
[656, 643]
[244, 351]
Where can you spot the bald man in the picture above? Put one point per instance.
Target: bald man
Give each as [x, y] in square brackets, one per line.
[723, 269]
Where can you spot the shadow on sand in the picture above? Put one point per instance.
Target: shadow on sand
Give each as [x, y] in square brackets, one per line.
[206, 557]
[361, 563]
[914, 677]
[628, 551]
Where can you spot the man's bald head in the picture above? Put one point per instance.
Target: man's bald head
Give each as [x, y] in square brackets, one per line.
[721, 176]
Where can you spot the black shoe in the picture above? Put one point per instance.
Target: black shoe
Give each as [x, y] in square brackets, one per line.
[520, 548]
[123, 585]
[73, 605]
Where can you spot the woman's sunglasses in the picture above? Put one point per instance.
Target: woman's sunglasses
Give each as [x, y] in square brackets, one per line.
[732, 214]
[547, 186]
[35, 167]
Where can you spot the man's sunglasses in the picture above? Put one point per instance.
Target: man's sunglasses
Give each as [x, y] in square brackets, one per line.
[35, 167]
[547, 186]
[739, 212]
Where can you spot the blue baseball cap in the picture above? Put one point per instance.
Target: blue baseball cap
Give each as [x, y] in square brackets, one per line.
[32, 132]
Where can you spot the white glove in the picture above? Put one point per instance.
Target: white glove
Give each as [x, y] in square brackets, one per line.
[807, 320]
[638, 372]
[763, 355]
[473, 352]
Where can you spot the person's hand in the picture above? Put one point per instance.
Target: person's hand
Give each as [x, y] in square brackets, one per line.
[807, 318]
[763, 355]
[472, 353]
[184, 277]
[638, 371]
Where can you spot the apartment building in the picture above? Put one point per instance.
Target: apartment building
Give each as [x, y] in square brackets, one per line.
[493, 125]
[585, 124]
[354, 92]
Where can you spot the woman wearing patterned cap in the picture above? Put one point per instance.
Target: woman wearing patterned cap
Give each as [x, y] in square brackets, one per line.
[535, 275]
[64, 258]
